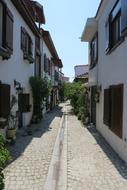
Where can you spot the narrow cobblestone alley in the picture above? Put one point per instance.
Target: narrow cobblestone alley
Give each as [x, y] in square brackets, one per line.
[88, 162]
[92, 164]
[32, 155]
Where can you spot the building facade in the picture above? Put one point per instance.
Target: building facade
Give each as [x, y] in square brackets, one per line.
[106, 34]
[51, 65]
[22, 55]
[17, 59]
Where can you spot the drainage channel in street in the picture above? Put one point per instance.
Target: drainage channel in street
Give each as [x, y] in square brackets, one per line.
[56, 179]
[57, 169]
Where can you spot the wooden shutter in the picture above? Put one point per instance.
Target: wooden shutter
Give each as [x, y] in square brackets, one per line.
[9, 30]
[106, 117]
[45, 58]
[24, 102]
[117, 109]
[38, 65]
[30, 46]
[23, 33]
[47, 63]
[124, 16]
[49, 66]
[4, 100]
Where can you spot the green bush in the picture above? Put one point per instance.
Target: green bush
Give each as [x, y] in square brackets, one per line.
[40, 89]
[4, 157]
[78, 96]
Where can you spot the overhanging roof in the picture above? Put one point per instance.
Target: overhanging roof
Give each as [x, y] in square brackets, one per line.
[49, 42]
[89, 30]
[40, 17]
[57, 62]
[24, 11]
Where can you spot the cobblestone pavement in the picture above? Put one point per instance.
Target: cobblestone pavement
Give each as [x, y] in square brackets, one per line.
[32, 154]
[92, 164]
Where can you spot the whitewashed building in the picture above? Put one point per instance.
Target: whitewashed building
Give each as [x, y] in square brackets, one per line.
[106, 34]
[51, 64]
[18, 33]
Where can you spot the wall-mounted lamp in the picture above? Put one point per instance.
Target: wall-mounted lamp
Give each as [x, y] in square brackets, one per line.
[17, 86]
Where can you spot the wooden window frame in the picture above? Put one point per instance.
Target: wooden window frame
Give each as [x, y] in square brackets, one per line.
[115, 30]
[45, 62]
[94, 51]
[106, 116]
[114, 118]
[4, 100]
[24, 106]
[27, 45]
[56, 76]
[6, 49]
[115, 16]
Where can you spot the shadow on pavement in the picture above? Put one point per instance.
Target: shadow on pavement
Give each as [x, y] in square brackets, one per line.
[119, 164]
[23, 138]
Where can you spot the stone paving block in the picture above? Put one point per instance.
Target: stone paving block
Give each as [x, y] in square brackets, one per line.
[31, 155]
[92, 165]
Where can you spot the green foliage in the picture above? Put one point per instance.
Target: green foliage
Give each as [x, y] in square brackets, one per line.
[79, 99]
[4, 157]
[71, 89]
[40, 89]
[62, 91]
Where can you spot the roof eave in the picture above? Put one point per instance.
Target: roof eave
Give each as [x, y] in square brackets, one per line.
[23, 10]
[89, 30]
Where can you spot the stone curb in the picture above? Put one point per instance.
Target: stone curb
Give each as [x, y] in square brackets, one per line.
[54, 178]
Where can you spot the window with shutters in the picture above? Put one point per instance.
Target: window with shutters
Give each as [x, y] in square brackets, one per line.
[117, 109]
[37, 66]
[49, 67]
[113, 27]
[6, 31]
[37, 57]
[24, 102]
[106, 117]
[94, 51]
[56, 76]
[26, 45]
[45, 63]
[4, 100]
[37, 43]
[113, 109]
[124, 17]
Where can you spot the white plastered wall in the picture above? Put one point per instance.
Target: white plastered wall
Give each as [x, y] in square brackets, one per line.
[16, 68]
[111, 70]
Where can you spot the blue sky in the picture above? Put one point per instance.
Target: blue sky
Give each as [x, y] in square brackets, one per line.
[66, 20]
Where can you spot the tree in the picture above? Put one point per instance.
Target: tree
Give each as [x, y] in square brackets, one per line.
[40, 90]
